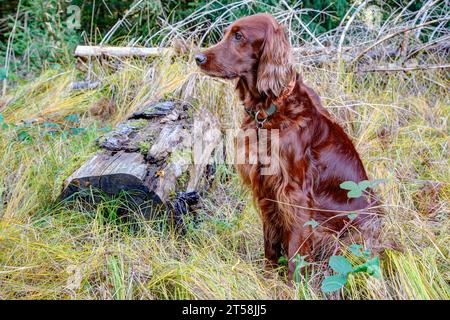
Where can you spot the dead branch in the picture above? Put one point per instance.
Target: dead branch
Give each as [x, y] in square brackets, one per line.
[97, 51]
[430, 67]
[389, 36]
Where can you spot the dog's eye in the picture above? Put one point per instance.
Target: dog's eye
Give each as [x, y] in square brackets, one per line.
[238, 36]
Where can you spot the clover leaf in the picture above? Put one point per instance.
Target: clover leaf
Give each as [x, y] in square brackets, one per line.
[313, 223]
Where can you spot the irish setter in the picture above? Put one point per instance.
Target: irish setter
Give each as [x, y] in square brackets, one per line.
[315, 154]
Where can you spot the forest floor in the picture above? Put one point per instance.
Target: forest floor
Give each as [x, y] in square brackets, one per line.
[398, 122]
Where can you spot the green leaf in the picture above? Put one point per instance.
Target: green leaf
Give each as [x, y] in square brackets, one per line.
[313, 223]
[340, 264]
[373, 267]
[333, 283]
[299, 262]
[76, 131]
[24, 136]
[283, 261]
[50, 125]
[72, 118]
[355, 190]
[374, 271]
[349, 185]
[354, 194]
[356, 249]
[360, 268]
[352, 216]
[3, 73]
[363, 185]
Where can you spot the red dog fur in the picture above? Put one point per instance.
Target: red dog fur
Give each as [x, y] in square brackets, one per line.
[315, 153]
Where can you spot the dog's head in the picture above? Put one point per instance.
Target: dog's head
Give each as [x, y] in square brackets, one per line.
[252, 46]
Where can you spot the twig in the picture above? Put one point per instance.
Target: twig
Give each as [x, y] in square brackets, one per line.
[344, 32]
[435, 43]
[443, 66]
[436, 83]
[395, 34]
[299, 20]
[116, 26]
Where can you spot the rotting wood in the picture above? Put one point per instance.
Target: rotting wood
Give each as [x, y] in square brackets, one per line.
[150, 157]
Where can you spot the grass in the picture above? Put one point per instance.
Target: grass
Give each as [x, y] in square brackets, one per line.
[399, 123]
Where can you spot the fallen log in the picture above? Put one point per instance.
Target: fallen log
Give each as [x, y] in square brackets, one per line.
[97, 51]
[110, 51]
[305, 55]
[150, 158]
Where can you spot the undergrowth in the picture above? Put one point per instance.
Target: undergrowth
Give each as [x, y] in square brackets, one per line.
[398, 122]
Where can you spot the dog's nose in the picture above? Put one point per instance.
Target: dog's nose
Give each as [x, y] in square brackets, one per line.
[200, 58]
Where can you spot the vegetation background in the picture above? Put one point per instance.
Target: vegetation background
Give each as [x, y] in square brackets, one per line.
[381, 68]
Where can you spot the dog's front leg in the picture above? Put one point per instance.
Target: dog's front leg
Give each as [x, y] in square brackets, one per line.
[272, 233]
[272, 246]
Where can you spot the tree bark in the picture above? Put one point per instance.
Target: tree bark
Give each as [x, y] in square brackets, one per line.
[151, 159]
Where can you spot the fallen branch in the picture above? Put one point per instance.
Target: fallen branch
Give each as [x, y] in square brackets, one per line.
[439, 44]
[306, 54]
[82, 85]
[96, 51]
[444, 66]
[395, 34]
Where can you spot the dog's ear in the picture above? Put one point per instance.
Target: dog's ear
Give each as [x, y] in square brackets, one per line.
[275, 69]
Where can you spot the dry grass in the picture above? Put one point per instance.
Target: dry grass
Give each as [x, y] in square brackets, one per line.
[399, 123]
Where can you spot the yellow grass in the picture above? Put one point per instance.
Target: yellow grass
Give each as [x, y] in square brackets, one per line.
[47, 250]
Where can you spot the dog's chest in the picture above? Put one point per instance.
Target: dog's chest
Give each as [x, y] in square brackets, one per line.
[272, 160]
[259, 160]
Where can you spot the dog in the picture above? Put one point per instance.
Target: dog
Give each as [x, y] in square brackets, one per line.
[303, 208]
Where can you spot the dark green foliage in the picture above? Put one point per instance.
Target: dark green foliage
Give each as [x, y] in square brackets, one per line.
[337, 8]
[340, 264]
[299, 262]
[343, 268]
[41, 38]
[356, 190]
[27, 132]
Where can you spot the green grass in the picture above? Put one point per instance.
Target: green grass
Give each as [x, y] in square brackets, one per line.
[48, 250]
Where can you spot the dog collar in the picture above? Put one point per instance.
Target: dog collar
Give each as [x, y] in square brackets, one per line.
[256, 114]
[272, 109]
